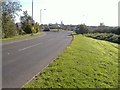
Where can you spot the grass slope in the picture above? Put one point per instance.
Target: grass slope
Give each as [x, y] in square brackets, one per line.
[86, 63]
[21, 36]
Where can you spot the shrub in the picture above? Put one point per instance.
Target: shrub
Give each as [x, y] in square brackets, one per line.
[36, 28]
[81, 29]
[114, 30]
[28, 29]
[105, 36]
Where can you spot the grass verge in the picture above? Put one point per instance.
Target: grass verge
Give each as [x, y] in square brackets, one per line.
[21, 36]
[86, 63]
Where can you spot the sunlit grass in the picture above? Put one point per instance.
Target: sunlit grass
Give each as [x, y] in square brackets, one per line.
[21, 36]
[86, 63]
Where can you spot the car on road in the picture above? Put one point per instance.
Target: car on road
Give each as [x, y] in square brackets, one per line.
[46, 28]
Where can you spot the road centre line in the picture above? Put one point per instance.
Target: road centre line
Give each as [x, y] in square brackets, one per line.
[29, 47]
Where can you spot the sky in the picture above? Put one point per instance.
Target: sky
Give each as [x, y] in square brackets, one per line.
[90, 12]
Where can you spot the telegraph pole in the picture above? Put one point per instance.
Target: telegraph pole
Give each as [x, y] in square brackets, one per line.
[32, 9]
[32, 18]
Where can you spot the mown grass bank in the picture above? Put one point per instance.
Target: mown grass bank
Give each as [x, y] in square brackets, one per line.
[21, 36]
[86, 63]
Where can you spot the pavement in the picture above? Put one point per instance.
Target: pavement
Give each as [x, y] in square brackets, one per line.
[22, 60]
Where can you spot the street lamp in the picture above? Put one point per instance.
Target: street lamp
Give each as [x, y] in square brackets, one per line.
[41, 15]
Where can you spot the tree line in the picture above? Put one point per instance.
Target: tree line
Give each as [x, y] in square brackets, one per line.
[10, 9]
[101, 33]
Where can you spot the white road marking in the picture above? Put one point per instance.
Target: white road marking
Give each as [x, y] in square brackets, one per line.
[29, 47]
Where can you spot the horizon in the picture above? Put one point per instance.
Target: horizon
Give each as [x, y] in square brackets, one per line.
[91, 13]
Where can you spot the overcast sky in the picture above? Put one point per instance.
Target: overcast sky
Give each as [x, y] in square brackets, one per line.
[90, 12]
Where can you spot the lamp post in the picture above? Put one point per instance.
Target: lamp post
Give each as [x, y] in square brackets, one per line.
[41, 15]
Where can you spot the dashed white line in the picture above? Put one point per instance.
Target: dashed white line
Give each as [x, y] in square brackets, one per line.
[8, 53]
[29, 47]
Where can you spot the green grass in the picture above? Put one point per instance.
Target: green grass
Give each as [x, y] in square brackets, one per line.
[20, 36]
[86, 63]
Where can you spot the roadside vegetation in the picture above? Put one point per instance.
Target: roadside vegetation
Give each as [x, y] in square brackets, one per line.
[21, 36]
[86, 63]
[83, 29]
[10, 29]
[102, 33]
[104, 36]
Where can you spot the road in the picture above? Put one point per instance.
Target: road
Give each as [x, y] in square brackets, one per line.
[23, 60]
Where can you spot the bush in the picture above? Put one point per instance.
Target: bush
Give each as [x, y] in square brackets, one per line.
[81, 29]
[31, 28]
[28, 29]
[114, 30]
[36, 28]
[105, 36]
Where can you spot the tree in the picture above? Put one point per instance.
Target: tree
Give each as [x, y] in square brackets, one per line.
[19, 29]
[81, 29]
[8, 27]
[26, 22]
[27, 19]
[9, 11]
[11, 7]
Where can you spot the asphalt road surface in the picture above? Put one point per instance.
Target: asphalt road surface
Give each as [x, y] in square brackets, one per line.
[22, 60]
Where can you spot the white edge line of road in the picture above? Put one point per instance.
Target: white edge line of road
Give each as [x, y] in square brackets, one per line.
[24, 39]
[47, 65]
[40, 71]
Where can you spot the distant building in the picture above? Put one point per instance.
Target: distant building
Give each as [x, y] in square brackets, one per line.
[102, 24]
